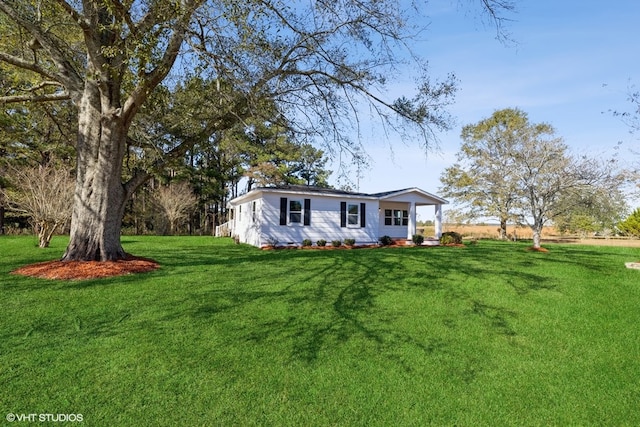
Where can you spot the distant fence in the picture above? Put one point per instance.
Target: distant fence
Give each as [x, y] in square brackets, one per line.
[488, 231]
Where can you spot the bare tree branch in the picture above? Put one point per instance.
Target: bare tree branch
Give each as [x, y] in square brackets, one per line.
[28, 65]
[35, 98]
[155, 76]
[66, 74]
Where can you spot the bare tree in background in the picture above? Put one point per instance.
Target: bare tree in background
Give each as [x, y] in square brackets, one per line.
[632, 119]
[175, 200]
[552, 181]
[45, 194]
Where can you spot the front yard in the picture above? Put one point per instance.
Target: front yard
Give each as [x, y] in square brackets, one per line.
[225, 334]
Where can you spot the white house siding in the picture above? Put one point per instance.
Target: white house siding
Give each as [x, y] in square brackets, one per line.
[245, 228]
[324, 220]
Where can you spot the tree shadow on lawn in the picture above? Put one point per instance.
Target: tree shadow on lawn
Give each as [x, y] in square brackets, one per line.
[333, 298]
[310, 303]
[590, 258]
[314, 302]
[201, 257]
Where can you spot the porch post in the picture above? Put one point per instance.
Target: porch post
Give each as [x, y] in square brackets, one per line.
[411, 226]
[438, 222]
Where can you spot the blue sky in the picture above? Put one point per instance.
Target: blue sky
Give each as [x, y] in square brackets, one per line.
[570, 63]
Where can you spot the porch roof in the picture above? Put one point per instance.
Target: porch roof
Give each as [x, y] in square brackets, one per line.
[420, 197]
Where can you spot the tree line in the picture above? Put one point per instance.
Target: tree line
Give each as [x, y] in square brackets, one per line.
[132, 96]
[187, 196]
[508, 168]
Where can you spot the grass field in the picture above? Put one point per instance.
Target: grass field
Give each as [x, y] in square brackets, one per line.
[224, 334]
[549, 235]
[480, 231]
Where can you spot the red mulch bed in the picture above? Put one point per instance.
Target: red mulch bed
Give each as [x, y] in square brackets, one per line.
[322, 248]
[342, 247]
[80, 270]
[534, 249]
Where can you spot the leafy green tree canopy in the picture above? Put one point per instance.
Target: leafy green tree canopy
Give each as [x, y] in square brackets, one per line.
[483, 179]
[513, 169]
[631, 225]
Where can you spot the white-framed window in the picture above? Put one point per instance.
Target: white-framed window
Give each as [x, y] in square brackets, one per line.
[295, 211]
[254, 216]
[353, 215]
[396, 217]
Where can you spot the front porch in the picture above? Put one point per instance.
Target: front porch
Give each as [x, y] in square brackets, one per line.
[397, 213]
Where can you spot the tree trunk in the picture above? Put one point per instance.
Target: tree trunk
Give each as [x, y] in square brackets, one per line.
[536, 228]
[41, 231]
[503, 229]
[100, 196]
[45, 233]
[537, 236]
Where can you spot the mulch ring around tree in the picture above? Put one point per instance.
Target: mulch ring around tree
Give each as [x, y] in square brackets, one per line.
[534, 249]
[81, 270]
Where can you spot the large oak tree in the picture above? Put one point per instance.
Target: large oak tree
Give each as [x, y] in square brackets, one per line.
[318, 60]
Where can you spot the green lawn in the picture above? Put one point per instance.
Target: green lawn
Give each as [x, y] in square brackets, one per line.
[226, 334]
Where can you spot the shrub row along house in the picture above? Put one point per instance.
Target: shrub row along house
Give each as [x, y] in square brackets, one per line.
[287, 215]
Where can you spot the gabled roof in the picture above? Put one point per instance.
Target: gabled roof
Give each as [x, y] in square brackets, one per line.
[420, 196]
[416, 191]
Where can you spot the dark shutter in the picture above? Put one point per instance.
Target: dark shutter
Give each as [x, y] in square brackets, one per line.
[343, 214]
[283, 211]
[307, 211]
[363, 215]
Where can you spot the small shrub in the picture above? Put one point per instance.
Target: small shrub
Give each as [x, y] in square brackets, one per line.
[631, 225]
[336, 243]
[451, 238]
[306, 242]
[349, 242]
[321, 243]
[417, 239]
[385, 240]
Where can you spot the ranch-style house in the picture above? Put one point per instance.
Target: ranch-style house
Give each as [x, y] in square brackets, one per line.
[287, 215]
